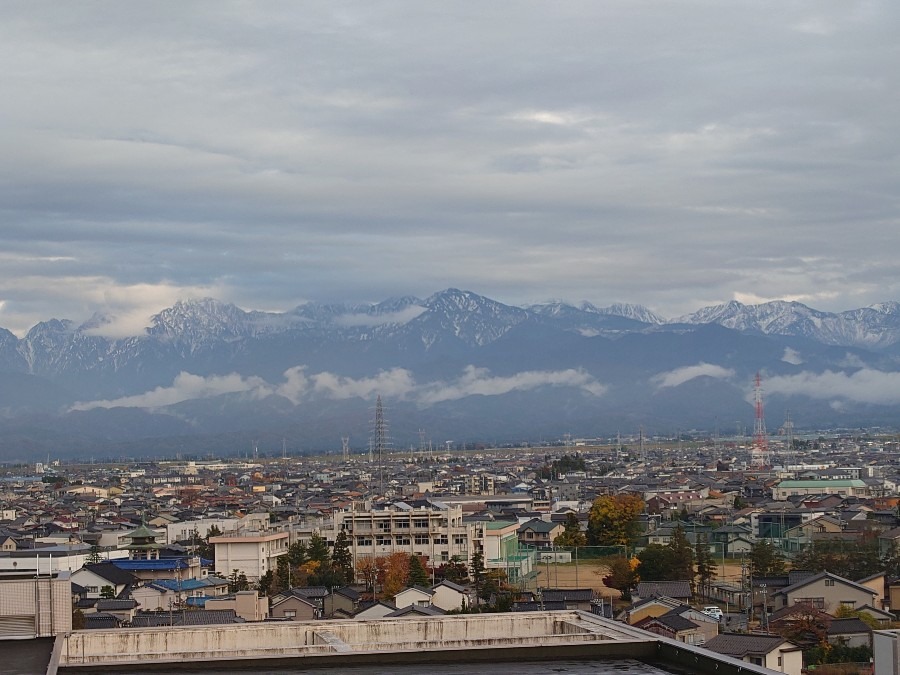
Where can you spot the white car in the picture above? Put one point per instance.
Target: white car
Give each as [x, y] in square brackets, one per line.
[714, 612]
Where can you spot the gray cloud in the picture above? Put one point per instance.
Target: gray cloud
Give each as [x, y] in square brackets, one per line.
[672, 154]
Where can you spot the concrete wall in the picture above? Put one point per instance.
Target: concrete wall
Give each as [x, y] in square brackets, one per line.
[265, 640]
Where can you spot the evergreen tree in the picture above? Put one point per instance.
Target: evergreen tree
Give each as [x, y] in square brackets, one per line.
[266, 583]
[342, 557]
[706, 567]
[766, 561]
[107, 592]
[655, 563]
[682, 555]
[94, 555]
[297, 554]
[417, 574]
[318, 548]
[237, 581]
[282, 574]
[477, 568]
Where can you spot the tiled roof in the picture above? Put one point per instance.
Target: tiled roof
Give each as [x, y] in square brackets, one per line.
[568, 594]
[736, 645]
[112, 573]
[105, 605]
[672, 589]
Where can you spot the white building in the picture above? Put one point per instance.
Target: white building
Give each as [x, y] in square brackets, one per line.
[429, 529]
[252, 552]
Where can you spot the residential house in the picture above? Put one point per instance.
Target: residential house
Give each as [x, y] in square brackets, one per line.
[674, 626]
[771, 652]
[294, 607]
[537, 533]
[449, 596]
[679, 590]
[94, 577]
[415, 595]
[850, 632]
[648, 607]
[825, 591]
[248, 605]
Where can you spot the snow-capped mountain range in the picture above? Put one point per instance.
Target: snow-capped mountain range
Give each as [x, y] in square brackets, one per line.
[455, 358]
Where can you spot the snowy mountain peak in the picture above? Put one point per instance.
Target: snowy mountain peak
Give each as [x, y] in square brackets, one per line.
[629, 311]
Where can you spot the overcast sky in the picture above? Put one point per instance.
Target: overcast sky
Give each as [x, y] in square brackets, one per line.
[673, 154]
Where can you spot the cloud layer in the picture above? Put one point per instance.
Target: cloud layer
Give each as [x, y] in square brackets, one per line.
[679, 376]
[268, 154]
[397, 383]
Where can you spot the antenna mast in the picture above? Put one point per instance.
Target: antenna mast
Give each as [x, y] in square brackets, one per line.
[759, 454]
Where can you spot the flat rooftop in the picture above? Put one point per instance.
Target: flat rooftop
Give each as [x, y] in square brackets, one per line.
[589, 643]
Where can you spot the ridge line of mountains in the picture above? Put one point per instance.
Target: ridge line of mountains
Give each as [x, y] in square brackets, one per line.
[207, 376]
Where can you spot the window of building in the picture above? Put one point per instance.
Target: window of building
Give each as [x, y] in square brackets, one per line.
[402, 525]
[818, 603]
[290, 614]
[402, 540]
[363, 541]
[829, 582]
[442, 540]
[421, 538]
[381, 540]
[420, 522]
[459, 539]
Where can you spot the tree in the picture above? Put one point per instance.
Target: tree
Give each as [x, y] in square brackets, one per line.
[204, 548]
[107, 592]
[706, 568]
[477, 568]
[622, 576]
[572, 534]
[297, 554]
[804, 624]
[396, 573]
[369, 568]
[237, 581]
[852, 560]
[266, 583]
[655, 563]
[342, 557]
[318, 548]
[94, 555]
[613, 520]
[766, 561]
[682, 556]
[282, 574]
[417, 574]
[454, 570]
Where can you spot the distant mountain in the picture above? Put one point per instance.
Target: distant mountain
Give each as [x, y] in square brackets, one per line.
[456, 363]
[877, 326]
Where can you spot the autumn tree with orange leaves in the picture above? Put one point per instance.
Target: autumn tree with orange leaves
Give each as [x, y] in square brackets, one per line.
[613, 520]
[396, 574]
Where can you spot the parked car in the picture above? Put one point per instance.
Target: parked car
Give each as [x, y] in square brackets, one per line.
[714, 612]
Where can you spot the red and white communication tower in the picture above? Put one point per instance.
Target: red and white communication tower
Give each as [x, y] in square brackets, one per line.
[759, 453]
